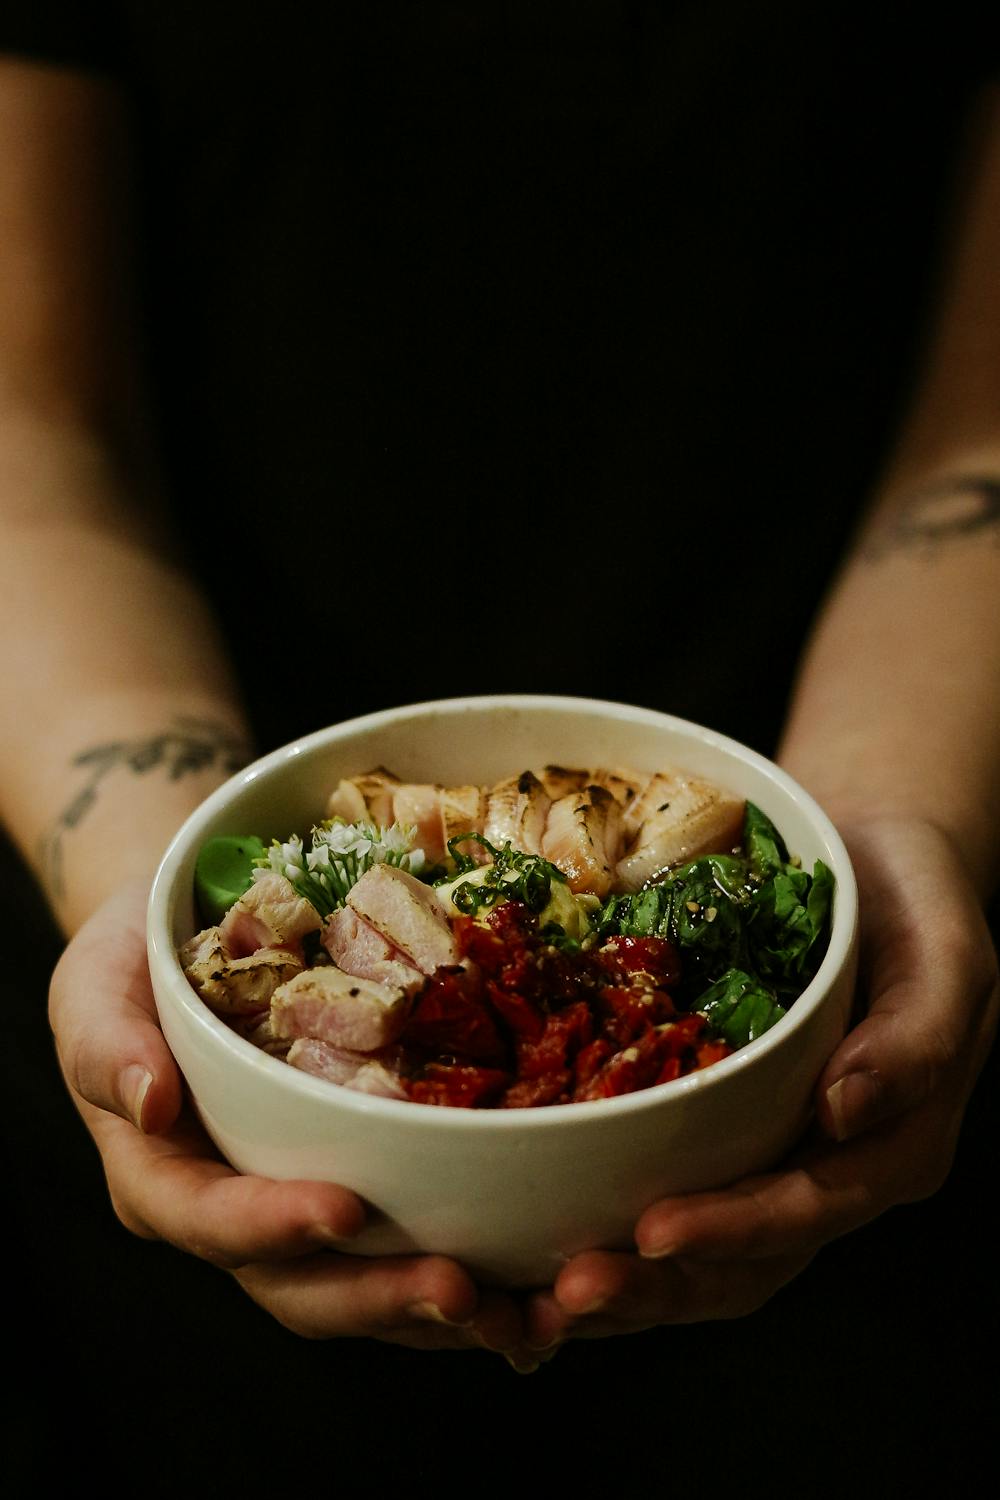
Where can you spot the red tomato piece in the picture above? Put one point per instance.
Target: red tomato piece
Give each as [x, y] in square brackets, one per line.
[710, 1052]
[565, 1033]
[459, 1084]
[523, 1018]
[652, 955]
[589, 1061]
[553, 1088]
[450, 1017]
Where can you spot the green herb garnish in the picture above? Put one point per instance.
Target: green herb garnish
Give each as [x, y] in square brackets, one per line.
[511, 876]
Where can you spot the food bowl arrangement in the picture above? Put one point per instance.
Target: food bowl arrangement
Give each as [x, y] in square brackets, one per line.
[509, 1192]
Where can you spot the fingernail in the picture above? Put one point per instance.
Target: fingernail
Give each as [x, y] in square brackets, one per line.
[591, 1307]
[521, 1364]
[328, 1236]
[135, 1086]
[429, 1312]
[852, 1103]
[659, 1252]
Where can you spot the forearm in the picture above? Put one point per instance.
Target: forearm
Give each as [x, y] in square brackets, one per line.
[120, 710]
[897, 708]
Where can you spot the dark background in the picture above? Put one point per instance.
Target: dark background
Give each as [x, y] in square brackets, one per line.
[590, 354]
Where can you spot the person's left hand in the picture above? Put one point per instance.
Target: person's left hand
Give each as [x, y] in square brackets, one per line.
[889, 1106]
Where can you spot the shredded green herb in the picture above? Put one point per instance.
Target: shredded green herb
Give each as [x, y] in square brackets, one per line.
[512, 876]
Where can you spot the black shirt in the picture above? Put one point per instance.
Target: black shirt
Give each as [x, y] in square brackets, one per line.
[517, 347]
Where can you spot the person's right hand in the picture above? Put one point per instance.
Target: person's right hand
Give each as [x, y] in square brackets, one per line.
[168, 1182]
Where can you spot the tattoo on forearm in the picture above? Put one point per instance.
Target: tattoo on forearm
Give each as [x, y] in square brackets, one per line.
[189, 745]
[939, 513]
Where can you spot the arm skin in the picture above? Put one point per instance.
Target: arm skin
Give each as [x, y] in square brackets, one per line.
[108, 648]
[894, 727]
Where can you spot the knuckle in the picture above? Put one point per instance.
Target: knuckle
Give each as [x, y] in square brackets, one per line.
[130, 1220]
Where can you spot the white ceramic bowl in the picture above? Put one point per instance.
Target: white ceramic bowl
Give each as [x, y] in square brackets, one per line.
[510, 1193]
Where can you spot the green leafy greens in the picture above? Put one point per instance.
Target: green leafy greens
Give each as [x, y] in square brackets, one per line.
[751, 929]
[512, 876]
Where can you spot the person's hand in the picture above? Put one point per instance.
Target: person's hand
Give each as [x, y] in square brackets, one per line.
[889, 1106]
[168, 1182]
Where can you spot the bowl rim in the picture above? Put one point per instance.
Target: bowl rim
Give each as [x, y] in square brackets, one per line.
[163, 956]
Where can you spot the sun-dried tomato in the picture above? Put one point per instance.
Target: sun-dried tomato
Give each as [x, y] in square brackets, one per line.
[479, 943]
[565, 1033]
[458, 1084]
[551, 1088]
[710, 1052]
[523, 1018]
[589, 1061]
[630, 1012]
[524, 1023]
[450, 1017]
[651, 955]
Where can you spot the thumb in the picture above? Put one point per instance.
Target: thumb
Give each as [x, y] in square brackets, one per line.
[931, 999]
[103, 1017]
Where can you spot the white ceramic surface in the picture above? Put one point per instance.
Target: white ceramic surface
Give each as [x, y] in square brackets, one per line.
[510, 1193]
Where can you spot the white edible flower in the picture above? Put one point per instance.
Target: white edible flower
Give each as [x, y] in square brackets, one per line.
[284, 859]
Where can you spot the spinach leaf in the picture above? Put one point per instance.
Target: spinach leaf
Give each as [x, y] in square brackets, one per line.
[788, 919]
[765, 848]
[739, 1008]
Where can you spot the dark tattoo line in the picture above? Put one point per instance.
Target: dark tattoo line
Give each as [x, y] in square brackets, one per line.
[941, 512]
[190, 746]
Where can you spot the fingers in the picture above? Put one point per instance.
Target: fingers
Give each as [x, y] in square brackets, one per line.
[930, 975]
[603, 1293]
[932, 1001]
[425, 1302]
[175, 1187]
[278, 1236]
[103, 1017]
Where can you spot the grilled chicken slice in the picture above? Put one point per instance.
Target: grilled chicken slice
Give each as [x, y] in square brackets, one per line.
[269, 914]
[420, 804]
[407, 914]
[464, 811]
[623, 784]
[684, 817]
[352, 1070]
[339, 1008]
[358, 949]
[365, 798]
[583, 838]
[235, 986]
[516, 812]
[559, 781]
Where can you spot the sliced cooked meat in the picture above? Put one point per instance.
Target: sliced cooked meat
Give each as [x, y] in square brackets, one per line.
[352, 1070]
[464, 811]
[374, 788]
[420, 804]
[339, 1008]
[583, 837]
[691, 817]
[407, 914]
[516, 812]
[269, 914]
[559, 781]
[235, 986]
[623, 784]
[358, 949]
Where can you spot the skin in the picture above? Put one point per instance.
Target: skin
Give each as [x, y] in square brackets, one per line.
[916, 795]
